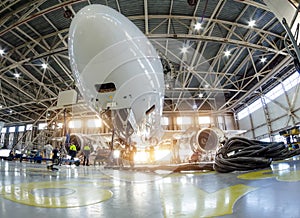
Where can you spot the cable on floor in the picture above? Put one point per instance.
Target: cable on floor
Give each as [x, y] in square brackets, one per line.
[240, 154]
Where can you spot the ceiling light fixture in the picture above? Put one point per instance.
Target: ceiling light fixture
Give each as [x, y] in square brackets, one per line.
[198, 26]
[2, 52]
[251, 23]
[44, 66]
[263, 60]
[200, 95]
[227, 53]
[17, 75]
[184, 49]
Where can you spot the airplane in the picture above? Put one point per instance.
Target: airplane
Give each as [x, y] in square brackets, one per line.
[117, 70]
[120, 75]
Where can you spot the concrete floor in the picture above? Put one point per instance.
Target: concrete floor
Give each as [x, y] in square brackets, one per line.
[30, 190]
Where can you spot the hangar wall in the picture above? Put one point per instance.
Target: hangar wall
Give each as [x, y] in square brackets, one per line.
[280, 113]
[13, 135]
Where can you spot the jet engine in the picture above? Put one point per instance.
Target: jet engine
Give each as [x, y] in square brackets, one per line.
[205, 142]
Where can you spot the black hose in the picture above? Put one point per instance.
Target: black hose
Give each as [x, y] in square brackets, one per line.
[239, 154]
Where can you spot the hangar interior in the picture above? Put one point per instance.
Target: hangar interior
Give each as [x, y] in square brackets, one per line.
[230, 69]
[221, 59]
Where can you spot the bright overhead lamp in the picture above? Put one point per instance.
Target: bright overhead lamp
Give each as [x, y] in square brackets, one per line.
[200, 95]
[44, 66]
[2, 52]
[251, 23]
[263, 60]
[198, 26]
[227, 53]
[17, 75]
[184, 49]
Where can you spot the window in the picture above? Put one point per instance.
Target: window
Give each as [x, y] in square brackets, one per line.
[105, 87]
[291, 81]
[29, 127]
[204, 120]
[165, 121]
[255, 106]
[21, 128]
[274, 93]
[3, 130]
[250, 109]
[12, 129]
[42, 126]
[243, 113]
[74, 124]
[184, 120]
[94, 123]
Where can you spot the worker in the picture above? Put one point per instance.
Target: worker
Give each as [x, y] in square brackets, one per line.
[72, 151]
[48, 150]
[151, 154]
[133, 150]
[55, 155]
[86, 154]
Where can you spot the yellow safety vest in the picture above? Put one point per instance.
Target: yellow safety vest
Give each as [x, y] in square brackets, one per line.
[86, 148]
[73, 148]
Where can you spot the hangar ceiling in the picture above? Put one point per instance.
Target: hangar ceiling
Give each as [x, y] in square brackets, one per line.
[198, 76]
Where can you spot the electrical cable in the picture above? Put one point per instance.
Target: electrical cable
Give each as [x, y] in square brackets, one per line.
[240, 154]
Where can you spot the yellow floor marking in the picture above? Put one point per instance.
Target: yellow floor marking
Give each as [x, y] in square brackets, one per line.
[286, 175]
[262, 174]
[57, 194]
[189, 201]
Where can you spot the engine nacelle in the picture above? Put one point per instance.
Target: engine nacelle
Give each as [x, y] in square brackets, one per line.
[207, 139]
[117, 69]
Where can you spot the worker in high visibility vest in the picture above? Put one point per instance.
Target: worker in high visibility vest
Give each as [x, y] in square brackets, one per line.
[86, 154]
[72, 150]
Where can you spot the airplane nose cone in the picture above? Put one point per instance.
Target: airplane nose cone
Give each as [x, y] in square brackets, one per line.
[114, 64]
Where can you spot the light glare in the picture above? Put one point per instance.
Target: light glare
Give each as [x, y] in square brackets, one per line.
[184, 49]
[44, 66]
[263, 60]
[227, 53]
[17, 75]
[198, 26]
[251, 23]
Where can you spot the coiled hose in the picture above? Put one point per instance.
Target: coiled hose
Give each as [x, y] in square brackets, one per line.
[239, 154]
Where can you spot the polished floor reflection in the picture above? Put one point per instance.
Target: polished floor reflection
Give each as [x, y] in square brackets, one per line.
[32, 190]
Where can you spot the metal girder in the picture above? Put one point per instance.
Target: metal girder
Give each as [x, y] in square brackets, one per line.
[217, 39]
[193, 73]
